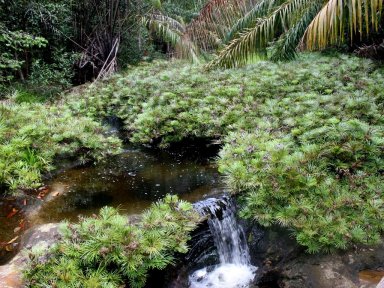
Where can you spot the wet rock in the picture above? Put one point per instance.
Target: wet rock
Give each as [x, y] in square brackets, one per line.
[381, 284]
[44, 236]
[10, 276]
[335, 270]
[283, 263]
[312, 271]
[373, 276]
[272, 246]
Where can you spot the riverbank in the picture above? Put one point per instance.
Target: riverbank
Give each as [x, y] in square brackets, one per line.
[302, 139]
[301, 142]
[280, 261]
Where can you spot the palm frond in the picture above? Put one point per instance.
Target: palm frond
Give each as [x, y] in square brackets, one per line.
[261, 9]
[254, 41]
[171, 22]
[217, 16]
[172, 32]
[186, 48]
[328, 27]
[286, 47]
[169, 31]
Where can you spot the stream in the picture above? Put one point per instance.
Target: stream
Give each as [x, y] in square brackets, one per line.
[132, 181]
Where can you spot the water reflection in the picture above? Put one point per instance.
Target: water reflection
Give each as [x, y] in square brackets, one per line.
[131, 181]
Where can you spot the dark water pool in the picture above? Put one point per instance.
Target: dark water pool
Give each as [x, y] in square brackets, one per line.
[12, 222]
[131, 181]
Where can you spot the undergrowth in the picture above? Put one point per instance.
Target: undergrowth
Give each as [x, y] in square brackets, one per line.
[303, 140]
[108, 251]
[33, 134]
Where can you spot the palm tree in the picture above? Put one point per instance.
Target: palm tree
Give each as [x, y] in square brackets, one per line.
[293, 24]
[204, 33]
[171, 31]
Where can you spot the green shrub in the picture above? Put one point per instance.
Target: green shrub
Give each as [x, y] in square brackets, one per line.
[33, 134]
[303, 139]
[314, 161]
[24, 95]
[15, 45]
[108, 251]
[51, 79]
[326, 185]
[172, 101]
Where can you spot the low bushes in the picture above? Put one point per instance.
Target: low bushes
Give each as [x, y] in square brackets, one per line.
[108, 251]
[32, 135]
[326, 185]
[303, 140]
[173, 101]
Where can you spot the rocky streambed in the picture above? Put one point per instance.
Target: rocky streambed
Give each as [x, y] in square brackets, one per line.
[279, 260]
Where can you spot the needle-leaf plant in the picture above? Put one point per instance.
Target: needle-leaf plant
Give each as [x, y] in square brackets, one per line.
[303, 140]
[32, 135]
[107, 250]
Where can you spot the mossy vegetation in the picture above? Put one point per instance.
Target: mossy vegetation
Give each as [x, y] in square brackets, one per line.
[303, 140]
[33, 134]
[108, 251]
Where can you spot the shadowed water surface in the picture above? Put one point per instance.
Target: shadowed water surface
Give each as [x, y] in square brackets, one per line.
[132, 181]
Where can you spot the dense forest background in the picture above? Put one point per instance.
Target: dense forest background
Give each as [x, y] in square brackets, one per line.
[50, 45]
[56, 44]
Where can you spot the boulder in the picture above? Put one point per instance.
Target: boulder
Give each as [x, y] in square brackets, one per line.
[381, 284]
[283, 263]
[43, 236]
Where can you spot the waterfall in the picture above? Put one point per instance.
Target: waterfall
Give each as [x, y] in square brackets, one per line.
[234, 269]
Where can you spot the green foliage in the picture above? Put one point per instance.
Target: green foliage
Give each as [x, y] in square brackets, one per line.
[303, 140]
[50, 68]
[24, 95]
[295, 24]
[313, 161]
[33, 134]
[12, 43]
[107, 34]
[323, 183]
[50, 79]
[183, 9]
[18, 40]
[109, 251]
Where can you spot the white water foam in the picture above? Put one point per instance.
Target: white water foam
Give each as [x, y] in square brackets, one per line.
[223, 276]
[234, 270]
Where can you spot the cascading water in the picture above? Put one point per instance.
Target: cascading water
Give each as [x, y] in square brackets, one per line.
[234, 269]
